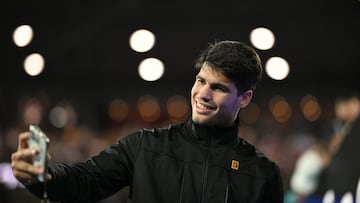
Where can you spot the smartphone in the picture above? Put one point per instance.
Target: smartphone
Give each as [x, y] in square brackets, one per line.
[38, 140]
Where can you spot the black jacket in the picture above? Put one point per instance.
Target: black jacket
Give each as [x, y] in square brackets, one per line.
[180, 163]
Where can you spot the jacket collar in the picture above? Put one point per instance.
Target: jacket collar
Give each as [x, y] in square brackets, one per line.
[214, 135]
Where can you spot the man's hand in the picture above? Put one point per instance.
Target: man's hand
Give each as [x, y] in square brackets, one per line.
[21, 160]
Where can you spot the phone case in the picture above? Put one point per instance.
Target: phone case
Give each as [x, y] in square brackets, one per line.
[38, 140]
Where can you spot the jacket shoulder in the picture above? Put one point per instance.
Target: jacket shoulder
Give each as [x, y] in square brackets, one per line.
[254, 155]
[156, 137]
[169, 130]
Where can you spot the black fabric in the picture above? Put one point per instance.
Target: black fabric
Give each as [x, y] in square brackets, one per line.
[179, 163]
[343, 173]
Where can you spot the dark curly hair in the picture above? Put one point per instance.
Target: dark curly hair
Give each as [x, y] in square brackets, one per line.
[236, 60]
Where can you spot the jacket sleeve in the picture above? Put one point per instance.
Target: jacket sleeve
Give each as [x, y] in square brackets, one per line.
[274, 191]
[97, 178]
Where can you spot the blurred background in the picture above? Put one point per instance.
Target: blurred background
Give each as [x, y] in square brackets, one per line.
[91, 72]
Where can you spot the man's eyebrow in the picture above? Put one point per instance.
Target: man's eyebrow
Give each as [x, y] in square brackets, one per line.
[215, 85]
[198, 77]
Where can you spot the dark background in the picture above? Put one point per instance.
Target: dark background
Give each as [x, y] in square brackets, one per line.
[88, 60]
[85, 43]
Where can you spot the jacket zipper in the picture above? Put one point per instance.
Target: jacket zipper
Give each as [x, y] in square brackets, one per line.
[206, 167]
[182, 183]
[227, 189]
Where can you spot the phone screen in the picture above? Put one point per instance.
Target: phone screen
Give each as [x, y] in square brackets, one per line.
[38, 140]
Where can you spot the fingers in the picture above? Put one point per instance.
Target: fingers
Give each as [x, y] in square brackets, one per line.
[21, 167]
[23, 140]
[21, 163]
[22, 160]
[24, 155]
[20, 175]
[25, 171]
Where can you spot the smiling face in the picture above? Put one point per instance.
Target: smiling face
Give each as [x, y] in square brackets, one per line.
[215, 100]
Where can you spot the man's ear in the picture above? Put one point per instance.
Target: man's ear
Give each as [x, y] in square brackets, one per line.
[245, 98]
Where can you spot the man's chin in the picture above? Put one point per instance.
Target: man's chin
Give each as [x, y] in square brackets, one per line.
[210, 122]
[199, 121]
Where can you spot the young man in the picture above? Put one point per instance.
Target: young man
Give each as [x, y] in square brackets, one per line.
[202, 160]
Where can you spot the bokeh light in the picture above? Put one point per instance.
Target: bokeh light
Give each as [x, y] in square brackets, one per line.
[310, 108]
[34, 64]
[280, 109]
[118, 110]
[58, 117]
[277, 68]
[149, 108]
[32, 111]
[151, 69]
[262, 38]
[142, 40]
[177, 108]
[23, 35]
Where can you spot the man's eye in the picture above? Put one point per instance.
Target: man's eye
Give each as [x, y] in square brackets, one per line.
[220, 89]
[201, 81]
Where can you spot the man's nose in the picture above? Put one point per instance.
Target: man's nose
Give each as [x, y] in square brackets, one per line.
[205, 93]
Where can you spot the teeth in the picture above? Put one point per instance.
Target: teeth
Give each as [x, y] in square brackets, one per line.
[201, 106]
